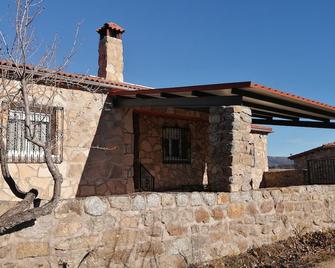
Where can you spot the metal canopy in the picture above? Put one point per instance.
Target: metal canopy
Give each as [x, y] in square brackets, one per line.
[268, 106]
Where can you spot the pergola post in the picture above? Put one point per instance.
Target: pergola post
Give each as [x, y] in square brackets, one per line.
[230, 153]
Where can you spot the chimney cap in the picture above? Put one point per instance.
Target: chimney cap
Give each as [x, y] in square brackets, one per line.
[110, 26]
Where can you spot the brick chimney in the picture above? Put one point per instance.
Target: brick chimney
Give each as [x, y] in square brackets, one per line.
[111, 52]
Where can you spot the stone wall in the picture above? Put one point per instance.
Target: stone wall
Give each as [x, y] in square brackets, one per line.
[301, 162]
[284, 178]
[98, 150]
[165, 229]
[177, 176]
[259, 142]
[230, 149]
[171, 176]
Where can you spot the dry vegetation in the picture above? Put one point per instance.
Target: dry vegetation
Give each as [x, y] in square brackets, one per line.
[302, 251]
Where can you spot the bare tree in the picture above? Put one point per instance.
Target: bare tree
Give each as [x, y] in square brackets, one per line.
[25, 85]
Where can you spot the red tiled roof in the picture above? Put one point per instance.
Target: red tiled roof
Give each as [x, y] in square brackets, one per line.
[317, 149]
[111, 25]
[111, 85]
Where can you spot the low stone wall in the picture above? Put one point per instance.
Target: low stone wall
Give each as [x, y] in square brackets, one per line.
[165, 229]
[284, 178]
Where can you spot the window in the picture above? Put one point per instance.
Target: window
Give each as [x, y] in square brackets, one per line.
[47, 125]
[176, 145]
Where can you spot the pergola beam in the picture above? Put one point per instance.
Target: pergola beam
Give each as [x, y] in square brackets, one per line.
[281, 111]
[178, 102]
[169, 95]
[277, 122]
[259, 113]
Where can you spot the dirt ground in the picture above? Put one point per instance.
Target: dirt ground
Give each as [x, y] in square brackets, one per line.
[326, 264]
[309, 250]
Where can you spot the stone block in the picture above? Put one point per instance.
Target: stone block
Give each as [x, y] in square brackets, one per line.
[168, 200]
[81, 242]
[32, 249]
[223, 198]
[130, 222]
[201, 215]
[236, 210]
[153, 201]
[67, 208]
[182, 200]
[4, 251]
[138, 202]
[120, 202]
[150, 249]
[176, 230]
[168, 261]
[196, 199]
[217, 213]
[95, 206]
[209, 198]
[68, 229]
[266, 206]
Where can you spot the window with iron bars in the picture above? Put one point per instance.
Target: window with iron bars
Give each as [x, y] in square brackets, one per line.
[47, 125]
[176, 144]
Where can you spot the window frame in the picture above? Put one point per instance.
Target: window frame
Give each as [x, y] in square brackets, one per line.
[184, 148]
[52, 115]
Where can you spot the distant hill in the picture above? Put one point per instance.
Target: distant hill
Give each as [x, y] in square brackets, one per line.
[280, 162]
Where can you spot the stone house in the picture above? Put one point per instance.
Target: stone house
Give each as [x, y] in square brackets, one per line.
[124, 137]
[323, 152]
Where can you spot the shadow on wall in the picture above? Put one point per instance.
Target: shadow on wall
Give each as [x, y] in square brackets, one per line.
[178, 174]
[109, 163]
[284, 178]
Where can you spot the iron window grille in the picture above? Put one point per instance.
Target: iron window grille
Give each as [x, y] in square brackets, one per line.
[176, 144]
[47, 126]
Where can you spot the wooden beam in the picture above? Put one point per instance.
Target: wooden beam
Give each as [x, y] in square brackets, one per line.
[143, 96]
[259, 113]
[202, 93]
[281, 111]
[178, 102]
[170, 95]
[170, 116]
[312, 124]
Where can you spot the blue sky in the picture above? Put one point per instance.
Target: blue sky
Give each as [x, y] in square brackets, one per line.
[288, 45]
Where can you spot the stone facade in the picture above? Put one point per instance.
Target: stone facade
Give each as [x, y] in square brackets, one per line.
[97, 150]
[173, 176]
[197, 173]
[165, 229]
[98, 155]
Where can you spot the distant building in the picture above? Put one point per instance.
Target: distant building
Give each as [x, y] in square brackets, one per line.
[325, 151]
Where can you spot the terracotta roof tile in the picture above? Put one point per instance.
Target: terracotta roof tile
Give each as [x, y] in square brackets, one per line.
[113, 26]
[84, 78]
